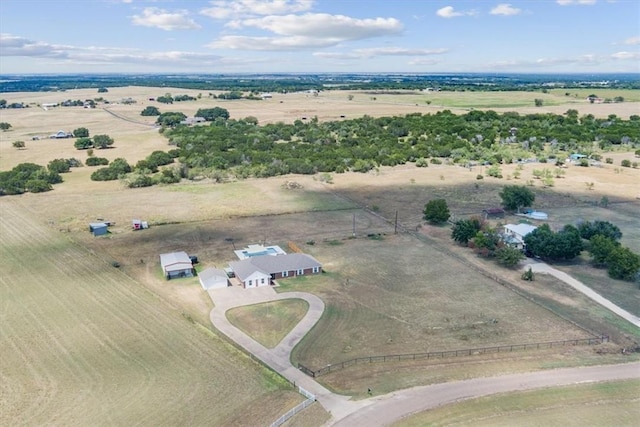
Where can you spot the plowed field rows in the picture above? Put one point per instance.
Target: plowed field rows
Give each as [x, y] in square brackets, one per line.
[84, 344]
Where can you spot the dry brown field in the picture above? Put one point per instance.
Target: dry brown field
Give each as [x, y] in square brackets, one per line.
[417, 298]
[83, 344]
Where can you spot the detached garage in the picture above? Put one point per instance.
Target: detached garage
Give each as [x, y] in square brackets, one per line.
[176, 264]
[213, 278]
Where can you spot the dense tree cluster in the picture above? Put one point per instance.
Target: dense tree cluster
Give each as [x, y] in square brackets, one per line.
[27, 177]
[606, 251]
[116, 169]
[365, 143]
[299, 82]
[565, 244]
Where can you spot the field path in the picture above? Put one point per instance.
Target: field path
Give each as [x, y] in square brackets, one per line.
[541, 267]
[116, 115]
[386, 409]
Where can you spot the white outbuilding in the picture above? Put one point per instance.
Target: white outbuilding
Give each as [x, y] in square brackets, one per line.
[213, 278]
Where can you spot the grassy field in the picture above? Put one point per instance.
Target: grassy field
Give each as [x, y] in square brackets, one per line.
[270, 322]
[82, 343]
[606, 404]
[145, 345]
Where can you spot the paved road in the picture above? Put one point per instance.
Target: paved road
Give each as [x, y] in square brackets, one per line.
[541, 267]
[383, 410]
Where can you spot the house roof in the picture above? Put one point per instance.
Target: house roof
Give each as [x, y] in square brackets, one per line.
[212, 274]
[94, 225]
[520, 229]
[269, 264]
[175, 261]
[493, 211]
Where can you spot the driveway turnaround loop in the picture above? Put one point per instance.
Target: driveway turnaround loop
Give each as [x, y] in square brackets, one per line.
[385, 410]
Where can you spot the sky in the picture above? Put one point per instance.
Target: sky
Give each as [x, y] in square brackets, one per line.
[313, 36]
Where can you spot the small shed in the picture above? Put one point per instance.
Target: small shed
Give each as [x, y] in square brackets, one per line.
[176, 264]
[213, 278]
[493, 213]
[98, 228]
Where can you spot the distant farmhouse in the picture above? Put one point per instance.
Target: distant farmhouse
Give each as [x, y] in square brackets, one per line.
[189, 121]
[514, 234]
[176, 264]
[61, 135]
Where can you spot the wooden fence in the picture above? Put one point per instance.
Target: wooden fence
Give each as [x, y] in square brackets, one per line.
[450, 353]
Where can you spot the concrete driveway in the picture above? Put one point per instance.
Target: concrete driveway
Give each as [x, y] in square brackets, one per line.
[383, 410]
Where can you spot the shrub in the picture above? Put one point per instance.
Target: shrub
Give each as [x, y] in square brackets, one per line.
[37, 186]
[422, 162]
[96, 161]
[626, 163]
[584, 163]
[59, 166]
[435, 161]
[479, 176]
[83, 143]
[609, 160]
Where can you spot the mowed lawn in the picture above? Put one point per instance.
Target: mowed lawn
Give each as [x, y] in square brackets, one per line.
[84, 344]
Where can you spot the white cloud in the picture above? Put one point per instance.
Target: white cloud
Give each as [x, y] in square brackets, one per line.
[272, 43]
[447, 12]
[160, 18]
[227, 9]
[306, 31]
[379, 51]
[398, 51]
[576, 2]
[323, 25]
[11, 45]
[626, 55]
[632, 40]
[505, 9]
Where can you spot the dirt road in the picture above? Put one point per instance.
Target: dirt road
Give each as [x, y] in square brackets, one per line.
[541, 267]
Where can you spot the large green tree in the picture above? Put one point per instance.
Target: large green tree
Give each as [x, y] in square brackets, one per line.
[81, 133]
[102, 141]
[436, 211]
[210, 114]
[509, 256]
[601, 247]
[150, 111]
[623, 264]
[465, 230]
[515, 197]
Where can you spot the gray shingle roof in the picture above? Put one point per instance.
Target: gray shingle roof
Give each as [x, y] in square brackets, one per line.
[270, 264]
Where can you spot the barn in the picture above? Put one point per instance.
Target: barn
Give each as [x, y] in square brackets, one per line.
[213, 278]
[176, 264]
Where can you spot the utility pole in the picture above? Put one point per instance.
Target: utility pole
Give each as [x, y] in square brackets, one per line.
[354, 225]
[395, 228]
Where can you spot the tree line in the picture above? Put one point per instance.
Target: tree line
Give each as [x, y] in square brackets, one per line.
[242, 148]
